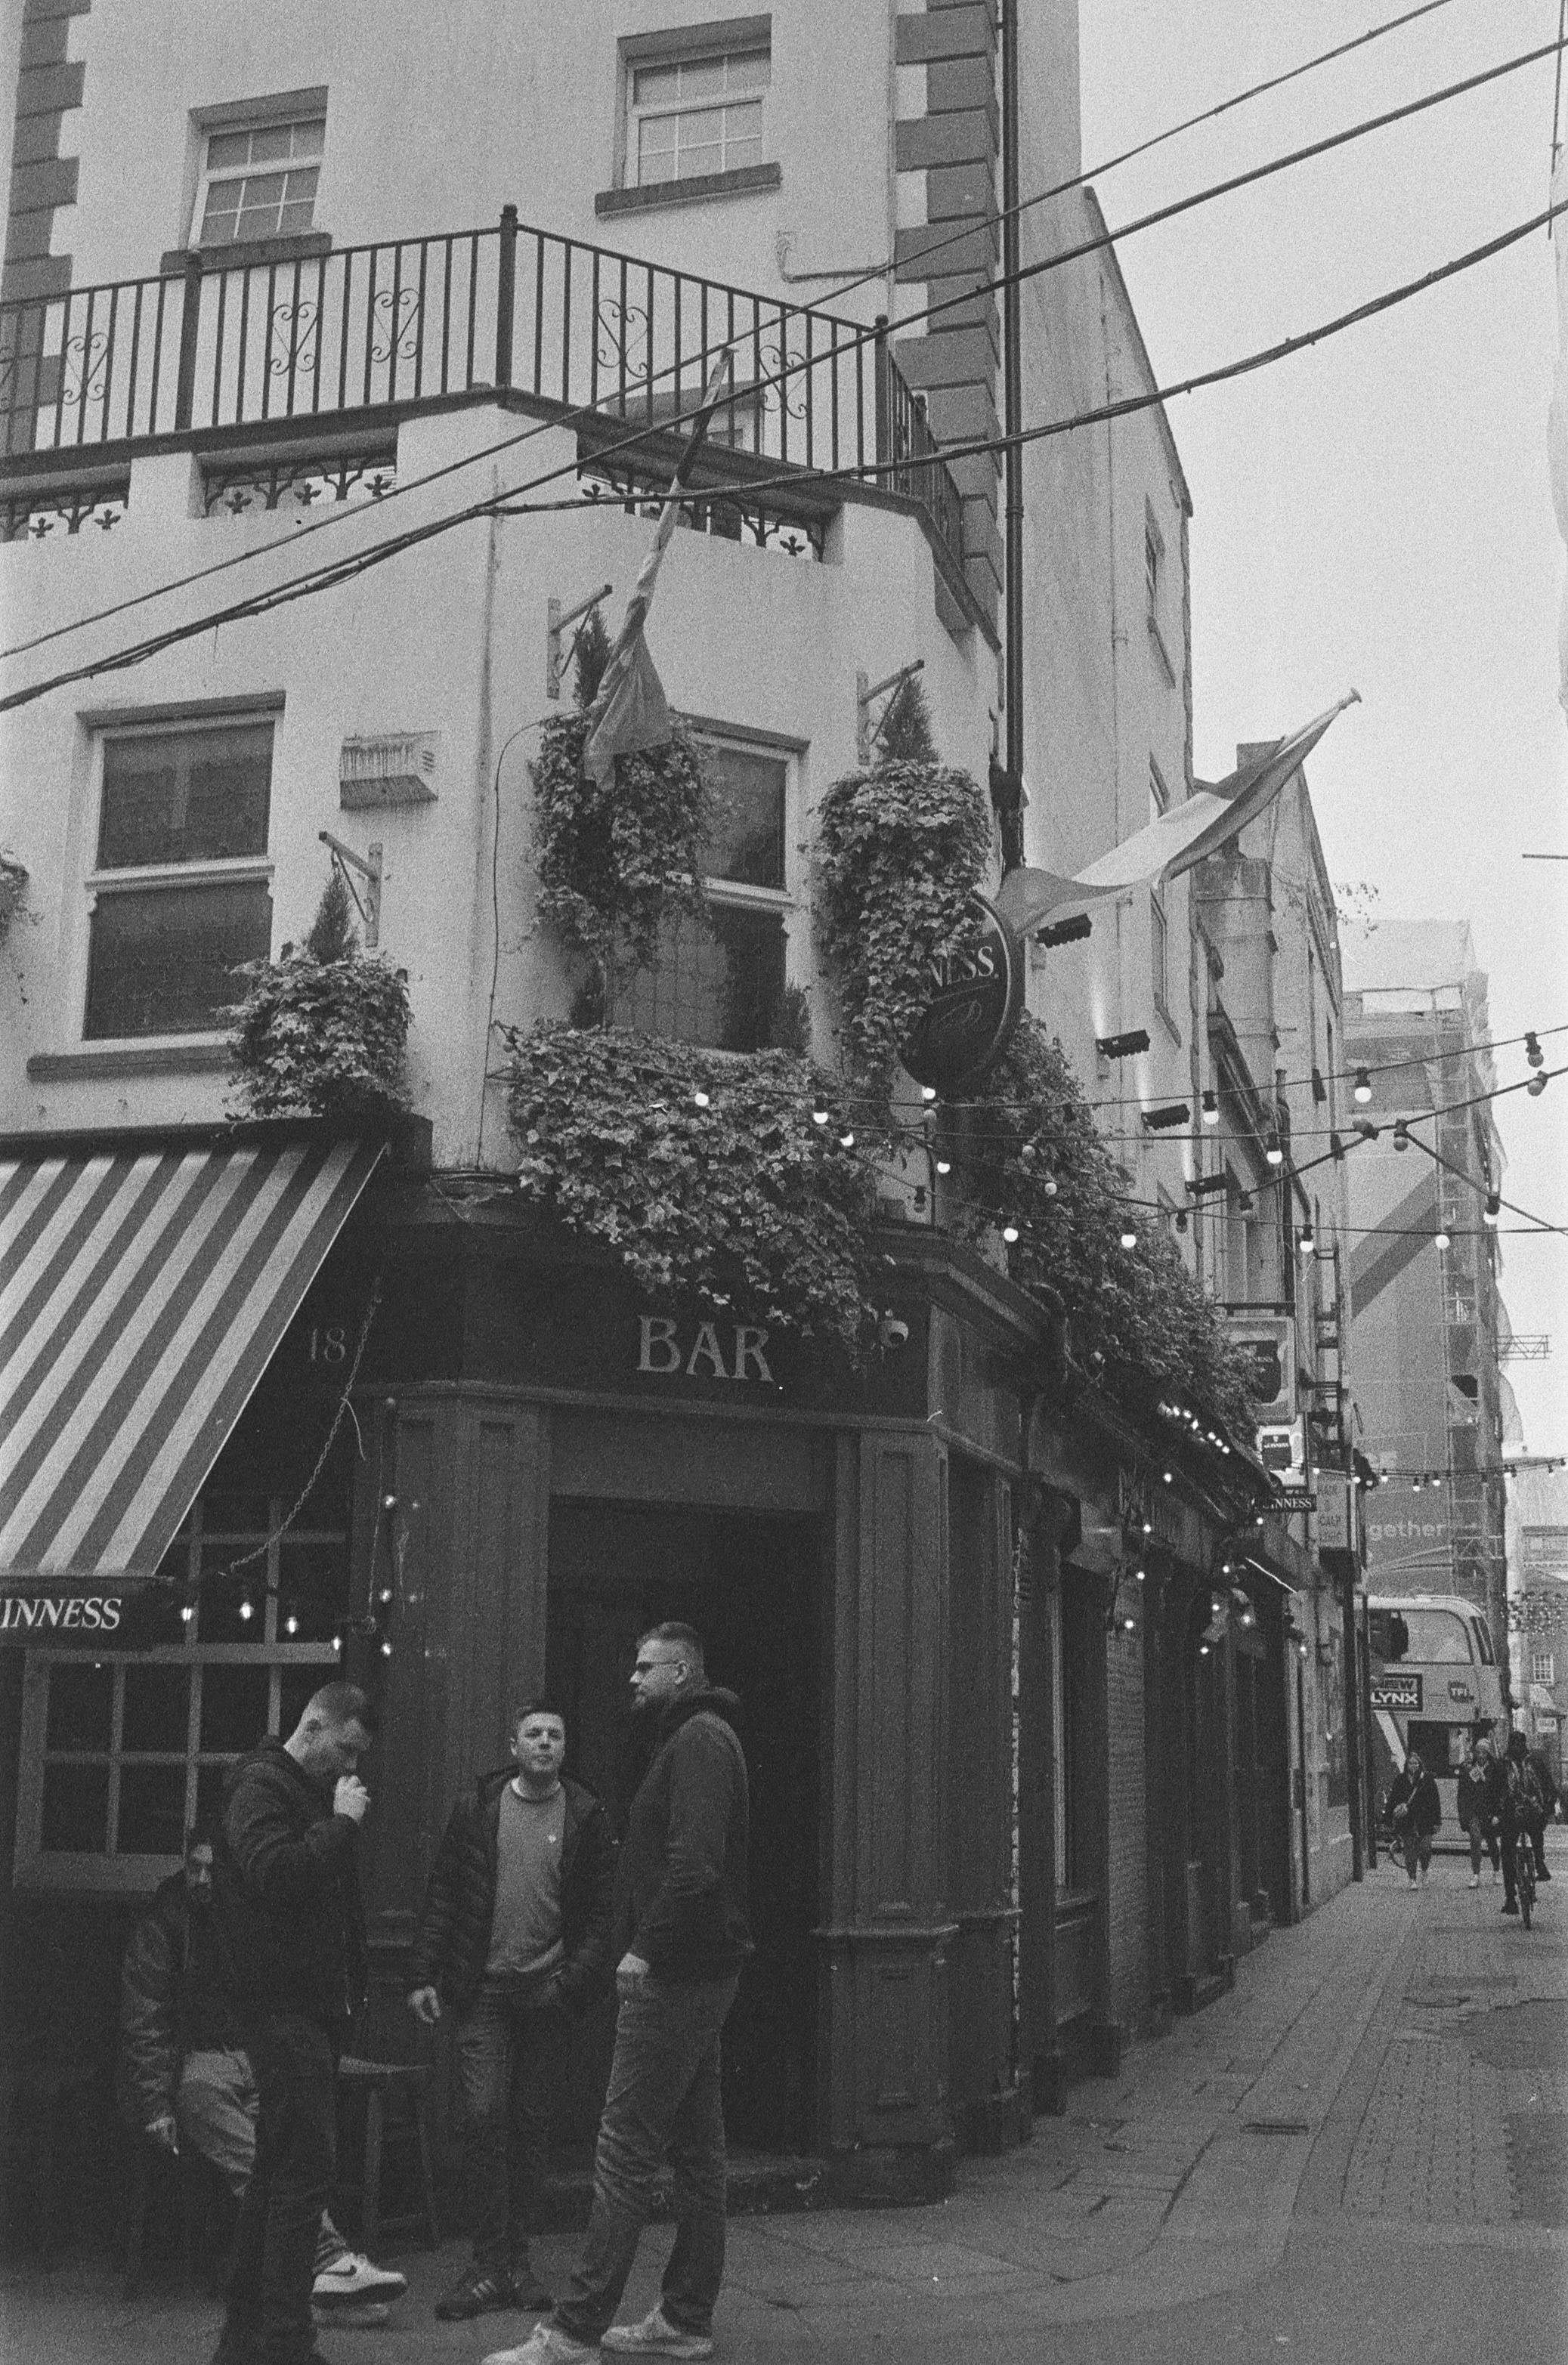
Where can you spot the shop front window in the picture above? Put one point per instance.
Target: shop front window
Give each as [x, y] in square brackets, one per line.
[124, 1749]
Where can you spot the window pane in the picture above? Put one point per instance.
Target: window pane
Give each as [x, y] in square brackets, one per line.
[185, 796]
[310, 137]
[157, 1708]
[226, 148]
[222, 208]
[233, 1707]
[161, 961]
[313, 1587]
[701, 77]
[751, 72]
[81, 1708]
[75, 1810]
[656, 149]
[151, 1810]
[270, 140]
[747, 839]
[150, 1619]
[650, 84]
[692, 163]
[718, 983]
[209, 1796]
[221, 1615]
[264, 189]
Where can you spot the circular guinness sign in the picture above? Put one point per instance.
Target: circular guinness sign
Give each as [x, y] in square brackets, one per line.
[976, 997]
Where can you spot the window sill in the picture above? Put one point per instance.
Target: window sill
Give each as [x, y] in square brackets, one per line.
[745, 180]
[207, 1056]
[301, 246]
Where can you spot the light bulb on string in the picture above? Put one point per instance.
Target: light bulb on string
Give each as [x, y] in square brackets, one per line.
[1010, 1233]
[701, 1100]
[1049, 1186]
[291, 1624]
[928, 1093]
[1129, 1236]
[386, 1649]
[1441, 1240]
[1308, 1239]
[187, 1611]
[1274, 1151]
[1211, 1108]
[1533, 1051]
[1536, 1086]
[247, 1608]
[944, 1166]
[846, 1142]
[1364, 1089]
[819, 1116]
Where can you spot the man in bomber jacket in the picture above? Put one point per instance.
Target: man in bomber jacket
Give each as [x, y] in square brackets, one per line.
[514, 1937]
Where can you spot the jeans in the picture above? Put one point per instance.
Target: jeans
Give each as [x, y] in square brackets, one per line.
[508, 2047]
[1482, 1835]
[663, 2098]
[274, 2249]
[215, 2109]
[1415, 1847]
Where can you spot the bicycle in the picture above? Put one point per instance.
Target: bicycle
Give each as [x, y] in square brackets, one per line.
[1524, 1874]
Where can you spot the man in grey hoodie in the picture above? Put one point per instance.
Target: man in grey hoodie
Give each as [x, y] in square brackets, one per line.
[681, 1937]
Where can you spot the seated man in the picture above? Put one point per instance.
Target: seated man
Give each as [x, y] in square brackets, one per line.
[184, 2077]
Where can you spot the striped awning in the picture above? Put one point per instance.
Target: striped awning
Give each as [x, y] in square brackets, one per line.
[142, 1293]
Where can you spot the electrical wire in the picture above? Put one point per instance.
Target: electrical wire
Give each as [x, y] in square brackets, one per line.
[509, 503]
[525, 435]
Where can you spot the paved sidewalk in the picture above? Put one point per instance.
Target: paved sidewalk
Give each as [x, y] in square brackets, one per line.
[1399, 2060]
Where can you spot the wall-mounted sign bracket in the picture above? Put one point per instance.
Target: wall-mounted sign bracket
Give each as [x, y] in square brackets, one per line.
[346, 861]
[556, 623]
[866, 737]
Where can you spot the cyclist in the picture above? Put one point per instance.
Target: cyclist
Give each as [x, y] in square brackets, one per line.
[1514, 1795]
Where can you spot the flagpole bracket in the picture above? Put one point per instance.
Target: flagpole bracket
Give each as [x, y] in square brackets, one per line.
[866, 733]
[345, 861]
[556, 623]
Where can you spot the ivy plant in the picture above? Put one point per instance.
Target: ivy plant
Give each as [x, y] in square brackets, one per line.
[900, 850]
[702, 1171]
[323, 1031]
[612, 863]
[1026, 1151]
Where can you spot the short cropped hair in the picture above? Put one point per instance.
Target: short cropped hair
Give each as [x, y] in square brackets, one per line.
[538, 1706]
[339, 1704]
[685, 1638]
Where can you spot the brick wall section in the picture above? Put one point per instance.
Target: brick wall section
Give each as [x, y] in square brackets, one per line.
[1127, 1904]
[49, 87]
[954, 146]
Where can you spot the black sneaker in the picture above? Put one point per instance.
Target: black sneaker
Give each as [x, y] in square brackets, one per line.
[1510, 1906]
[478, 2292]
[1541, 1874]
[532, 2295]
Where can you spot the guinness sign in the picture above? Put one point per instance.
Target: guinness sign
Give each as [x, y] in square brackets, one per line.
[976, 997]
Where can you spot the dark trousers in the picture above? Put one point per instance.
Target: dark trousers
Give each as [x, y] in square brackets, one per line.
[1483, 1835]
[1538, 1841]
[508, 2048]
[663, 2099]
[295, 2063]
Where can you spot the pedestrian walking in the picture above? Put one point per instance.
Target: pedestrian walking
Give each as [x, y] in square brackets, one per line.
[1416, 1812]
[1472, 1814]
[286, 1891]
[185, 2077]
[682, 1935]
[514, 1939]
[1541, 1766]
[1519, 1809]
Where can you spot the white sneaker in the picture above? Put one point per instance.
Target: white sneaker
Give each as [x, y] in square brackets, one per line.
[1476, 1880]
[656, 2336]
[350, 2280]
[545, 2346]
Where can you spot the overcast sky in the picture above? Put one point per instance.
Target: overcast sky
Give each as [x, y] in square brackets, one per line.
[1376, 512]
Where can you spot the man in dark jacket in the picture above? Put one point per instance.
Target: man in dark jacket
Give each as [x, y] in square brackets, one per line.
[1515, 1798]
[514, 1936]
[285, 1889]
[682, 1934]
[185, 2077]
[1546, 1783]
[1416, 1812]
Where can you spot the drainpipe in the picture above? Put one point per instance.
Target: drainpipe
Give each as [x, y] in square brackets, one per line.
[1012, 396]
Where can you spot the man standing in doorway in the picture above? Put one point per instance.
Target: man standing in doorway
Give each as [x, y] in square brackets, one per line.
[682, 1935]
[286, 1894]
[515, 1935]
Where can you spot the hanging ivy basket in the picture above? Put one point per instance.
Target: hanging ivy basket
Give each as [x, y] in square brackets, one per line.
[702, 1171]
[323, 1031]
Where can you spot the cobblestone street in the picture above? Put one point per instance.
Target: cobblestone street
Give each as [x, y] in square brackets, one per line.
[1363, 2149]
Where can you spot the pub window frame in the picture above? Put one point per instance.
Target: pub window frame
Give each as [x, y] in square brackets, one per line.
[724, 893]
[103, 880]
[107, 1871]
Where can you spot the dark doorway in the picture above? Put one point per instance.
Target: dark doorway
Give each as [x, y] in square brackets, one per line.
[749, 1584]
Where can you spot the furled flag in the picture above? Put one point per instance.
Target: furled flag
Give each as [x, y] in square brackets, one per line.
[630, 711]
[1183, 836]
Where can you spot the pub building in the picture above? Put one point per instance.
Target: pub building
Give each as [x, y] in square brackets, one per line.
[293, 1402]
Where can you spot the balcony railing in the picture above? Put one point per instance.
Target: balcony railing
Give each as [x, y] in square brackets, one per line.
[575, 327]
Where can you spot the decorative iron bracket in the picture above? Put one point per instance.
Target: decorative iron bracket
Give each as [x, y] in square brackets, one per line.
[866, 737]
[368, 864]
[556, 623]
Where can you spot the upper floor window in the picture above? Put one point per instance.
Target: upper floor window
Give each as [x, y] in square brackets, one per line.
[182, 886]
[1543, 1667]
[720, 980]
[257, 181]
[689, 116]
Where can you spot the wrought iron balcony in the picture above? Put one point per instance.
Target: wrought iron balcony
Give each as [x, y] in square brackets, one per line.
[601, 340]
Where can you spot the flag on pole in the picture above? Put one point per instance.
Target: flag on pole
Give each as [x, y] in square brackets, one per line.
[1183, 836]
[630, 711]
